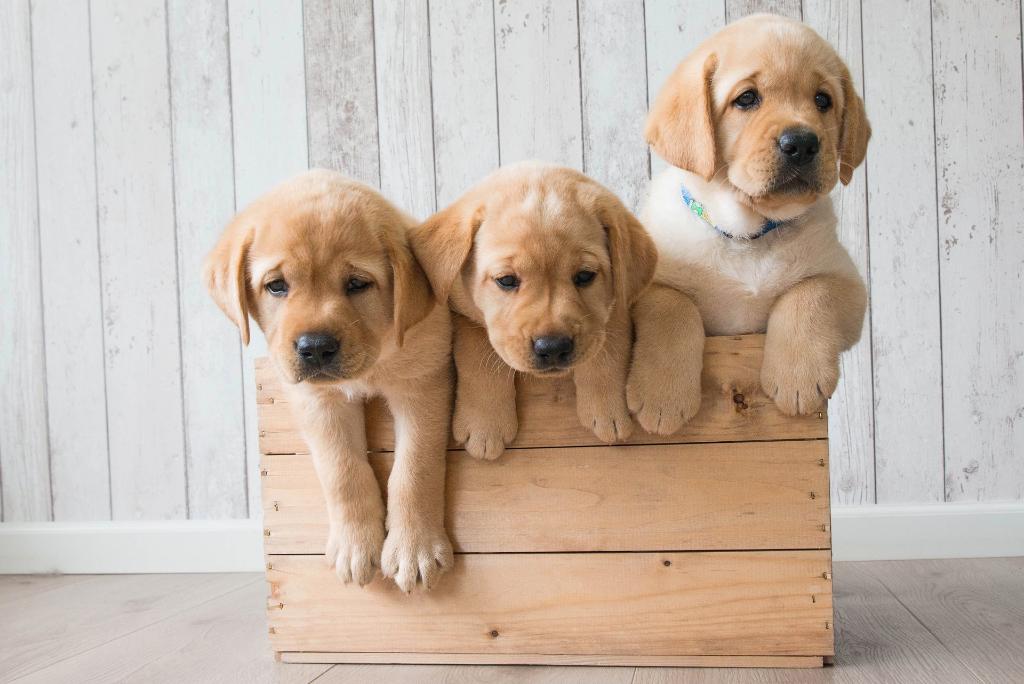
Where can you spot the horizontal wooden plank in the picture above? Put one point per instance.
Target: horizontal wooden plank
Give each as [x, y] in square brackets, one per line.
[755, 495]
[734, 408]
[547, 659]
[750, 603]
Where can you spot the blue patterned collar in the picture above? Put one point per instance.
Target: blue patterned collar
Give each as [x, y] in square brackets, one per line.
[700, 212]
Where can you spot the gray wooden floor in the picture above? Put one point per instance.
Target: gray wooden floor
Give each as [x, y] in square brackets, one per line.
[897, 621]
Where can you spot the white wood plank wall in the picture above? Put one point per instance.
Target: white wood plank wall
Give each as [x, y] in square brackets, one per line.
[131, 130]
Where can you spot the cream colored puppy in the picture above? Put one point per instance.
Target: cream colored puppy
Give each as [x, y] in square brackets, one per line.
[541, 265]
[323, 266]
[759, 122]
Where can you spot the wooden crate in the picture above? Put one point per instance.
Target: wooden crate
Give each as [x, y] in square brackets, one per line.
[711, 547]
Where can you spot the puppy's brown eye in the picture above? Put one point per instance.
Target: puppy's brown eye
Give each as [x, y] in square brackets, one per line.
[748, 99]
[507, 282]
[356, 285]
[823, 101]
[583, 278]
[277, 288]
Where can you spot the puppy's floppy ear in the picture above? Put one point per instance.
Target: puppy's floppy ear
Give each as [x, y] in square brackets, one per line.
[681, 125]
[855, 131]
[632, 251]
[413, 299]
[226, 272]
[443, 242]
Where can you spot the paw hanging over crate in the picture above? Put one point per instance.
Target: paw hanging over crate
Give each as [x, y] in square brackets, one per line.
[709, 547]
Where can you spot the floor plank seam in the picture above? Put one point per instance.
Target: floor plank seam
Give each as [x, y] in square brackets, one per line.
[928, 629]
[136, 630]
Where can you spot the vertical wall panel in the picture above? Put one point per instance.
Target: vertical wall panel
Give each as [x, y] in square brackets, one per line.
[204, 194]
[24, 457]
[268, 104]
[614, 86]
[980, 158]
[403, 104]
[904, 252]
[737, 9]
[851, 409]
[674, 30]
[72, 306]
[341, 95]
[539, 82]
[464, 95]
[137, 257]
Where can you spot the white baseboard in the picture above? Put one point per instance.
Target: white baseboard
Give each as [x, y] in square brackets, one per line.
[858, 533]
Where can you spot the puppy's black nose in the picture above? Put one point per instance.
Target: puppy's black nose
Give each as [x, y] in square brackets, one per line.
[798, 145]
[316, 349]
[552, 350]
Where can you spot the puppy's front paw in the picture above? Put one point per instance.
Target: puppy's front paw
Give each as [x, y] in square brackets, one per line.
[606, 415]
[799, 383]
[354, 551]
[416, 553]
[664, 399]
[485, 435]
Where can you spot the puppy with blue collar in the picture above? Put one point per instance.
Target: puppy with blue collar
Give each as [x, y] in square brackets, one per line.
[759, 124]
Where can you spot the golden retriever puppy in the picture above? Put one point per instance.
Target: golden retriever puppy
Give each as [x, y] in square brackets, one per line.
[759, 122]
[323, 266]
[541, 265]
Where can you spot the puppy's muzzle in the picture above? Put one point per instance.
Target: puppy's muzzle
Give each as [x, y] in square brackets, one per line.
[798, 146]
[552, 352]
[317, 352]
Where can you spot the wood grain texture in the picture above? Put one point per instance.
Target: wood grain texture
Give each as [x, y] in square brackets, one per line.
[268, 102]
[341, 95]
[851, 431]
[464, 90]
[767, 495]
[733, 409]
[204, 201]
[977, 62]
[24, 447]
[138, 259]
[90, 614]
[737, 9]
[974, 607]
[905, 335]
[673, 31]
[730, 603]
[402, 47]
[539, 110]
[614, 96]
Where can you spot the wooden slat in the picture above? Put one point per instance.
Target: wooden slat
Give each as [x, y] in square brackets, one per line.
[768, 495]
[553, 660]
[75, 392]
[341, 93]
[979, 154]
[463, 86]
[907, 355]
[24, 448]
[204, 201]
[547, 409]
[138, 259]
[737, 9]
[538, 72]
[646, 604]
[402, 54]
[612, 66]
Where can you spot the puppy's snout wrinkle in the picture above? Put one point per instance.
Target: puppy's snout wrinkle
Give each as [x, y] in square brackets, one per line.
[799, 146]
[316, 350]
[553, 351]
